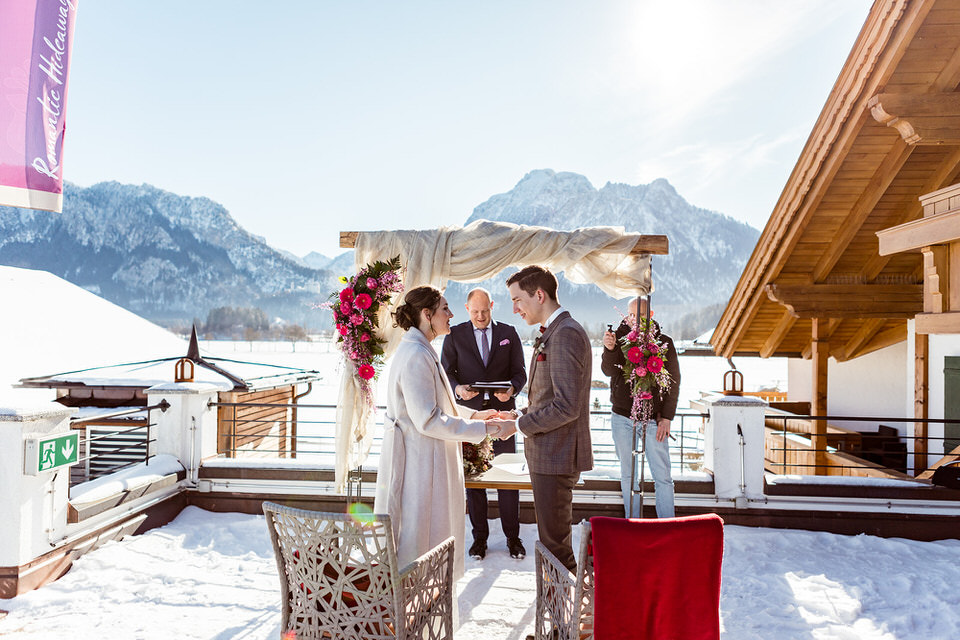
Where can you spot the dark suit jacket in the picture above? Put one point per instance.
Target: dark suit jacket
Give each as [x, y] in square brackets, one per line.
[556, 424]
[461, 360]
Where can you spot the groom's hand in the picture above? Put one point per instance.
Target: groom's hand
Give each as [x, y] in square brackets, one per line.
[507, 429]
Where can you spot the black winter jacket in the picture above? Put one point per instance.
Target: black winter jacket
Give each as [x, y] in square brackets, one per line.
[664, 406]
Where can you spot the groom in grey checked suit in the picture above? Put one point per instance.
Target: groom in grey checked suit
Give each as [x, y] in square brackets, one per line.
[556, 424]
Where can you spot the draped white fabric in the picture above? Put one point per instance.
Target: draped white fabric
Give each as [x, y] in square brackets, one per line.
[481, 250]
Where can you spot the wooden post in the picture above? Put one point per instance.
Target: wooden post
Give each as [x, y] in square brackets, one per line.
[921, 394]
[820, 353]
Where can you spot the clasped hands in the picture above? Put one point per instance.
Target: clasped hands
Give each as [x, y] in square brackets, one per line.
[500, 424]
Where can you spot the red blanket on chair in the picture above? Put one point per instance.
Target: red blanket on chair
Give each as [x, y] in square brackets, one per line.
[657, 579]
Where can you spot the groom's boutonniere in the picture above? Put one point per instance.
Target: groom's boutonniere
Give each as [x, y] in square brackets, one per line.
[538, 347]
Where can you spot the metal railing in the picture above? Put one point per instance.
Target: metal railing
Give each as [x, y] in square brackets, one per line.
[112, 447]
[883, 451]
[312, 435]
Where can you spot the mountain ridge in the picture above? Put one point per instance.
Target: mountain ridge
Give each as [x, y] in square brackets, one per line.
[172, 258]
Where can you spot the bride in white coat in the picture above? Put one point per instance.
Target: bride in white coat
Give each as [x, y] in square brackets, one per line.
[420, 481]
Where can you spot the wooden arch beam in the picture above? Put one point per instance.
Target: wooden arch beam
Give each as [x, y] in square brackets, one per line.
[657, 245]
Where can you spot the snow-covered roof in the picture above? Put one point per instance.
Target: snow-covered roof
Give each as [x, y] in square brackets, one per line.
[148, 374]
[49, 324]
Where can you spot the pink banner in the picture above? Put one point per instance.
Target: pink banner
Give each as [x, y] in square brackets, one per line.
[35, 41]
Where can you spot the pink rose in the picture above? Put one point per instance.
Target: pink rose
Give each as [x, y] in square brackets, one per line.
[646, 395]
[345, 308]
[354, 354]
[365, 337]
[366, 371]
[632, 336]
[371, 283]
[356, 319]
[652, 348]
[654, 364]
[343, 329]
[363, 301]
[346, 295]
[634, 354]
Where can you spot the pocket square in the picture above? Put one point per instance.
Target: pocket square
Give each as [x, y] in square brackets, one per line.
[505, 341]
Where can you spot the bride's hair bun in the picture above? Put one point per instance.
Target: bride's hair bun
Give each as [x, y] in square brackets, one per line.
[407, 314]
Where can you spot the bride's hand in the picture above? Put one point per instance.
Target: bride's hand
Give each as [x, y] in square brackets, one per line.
[493, 427]
[483, 415]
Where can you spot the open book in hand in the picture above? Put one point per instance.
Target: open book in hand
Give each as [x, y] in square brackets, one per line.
[490, 386]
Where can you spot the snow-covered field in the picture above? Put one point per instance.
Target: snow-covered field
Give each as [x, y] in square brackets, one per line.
[212, 576]
[697, 373]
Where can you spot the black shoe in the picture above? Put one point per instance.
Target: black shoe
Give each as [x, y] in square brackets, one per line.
[478, 549]
[515, 546]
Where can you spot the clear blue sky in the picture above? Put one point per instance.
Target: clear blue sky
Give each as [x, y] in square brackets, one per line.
[307, 118]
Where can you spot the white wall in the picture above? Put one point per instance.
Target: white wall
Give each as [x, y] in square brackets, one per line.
[872, 385]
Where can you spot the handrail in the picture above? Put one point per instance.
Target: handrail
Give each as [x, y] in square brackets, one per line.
[163, 405]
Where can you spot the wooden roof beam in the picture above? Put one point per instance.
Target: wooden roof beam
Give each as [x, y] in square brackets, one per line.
[878, 185]
[863, 335]
[658, 245]
[945, 174]
[773, 342]
[826, 332]
[849, 300]
[913, 236]
[920, 118]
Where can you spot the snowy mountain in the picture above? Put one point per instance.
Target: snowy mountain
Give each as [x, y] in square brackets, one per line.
[163, 256]
[172, 258]
[707, 249]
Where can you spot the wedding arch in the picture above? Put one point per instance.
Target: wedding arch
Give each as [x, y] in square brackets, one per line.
[619, 263]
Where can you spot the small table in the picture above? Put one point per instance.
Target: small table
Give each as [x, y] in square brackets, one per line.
[496, 477]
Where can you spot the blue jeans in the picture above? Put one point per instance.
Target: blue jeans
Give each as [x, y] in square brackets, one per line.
[658, 459]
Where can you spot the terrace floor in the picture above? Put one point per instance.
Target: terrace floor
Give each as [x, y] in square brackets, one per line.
[212, 576]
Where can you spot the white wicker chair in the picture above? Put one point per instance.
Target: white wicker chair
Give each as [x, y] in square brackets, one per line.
[339, 578]
[565, 601]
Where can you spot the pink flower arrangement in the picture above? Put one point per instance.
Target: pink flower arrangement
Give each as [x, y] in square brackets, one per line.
[654, 364]
[643, 366]
[363, 301]
[355, 308]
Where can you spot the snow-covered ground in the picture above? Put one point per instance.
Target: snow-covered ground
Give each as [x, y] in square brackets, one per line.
[212, 576]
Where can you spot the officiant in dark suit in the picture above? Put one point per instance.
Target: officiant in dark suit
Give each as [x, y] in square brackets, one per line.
[481, 350]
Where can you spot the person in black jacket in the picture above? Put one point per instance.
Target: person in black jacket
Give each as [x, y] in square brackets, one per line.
[481, 350]
[664, 408]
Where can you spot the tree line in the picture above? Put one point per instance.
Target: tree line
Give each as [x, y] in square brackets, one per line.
[243, 323]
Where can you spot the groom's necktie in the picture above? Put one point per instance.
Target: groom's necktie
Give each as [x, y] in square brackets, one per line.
[485, 348]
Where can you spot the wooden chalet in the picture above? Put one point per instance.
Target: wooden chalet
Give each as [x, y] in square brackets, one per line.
[883, 159]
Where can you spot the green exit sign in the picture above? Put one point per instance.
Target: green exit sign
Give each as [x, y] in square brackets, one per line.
[49, 453]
